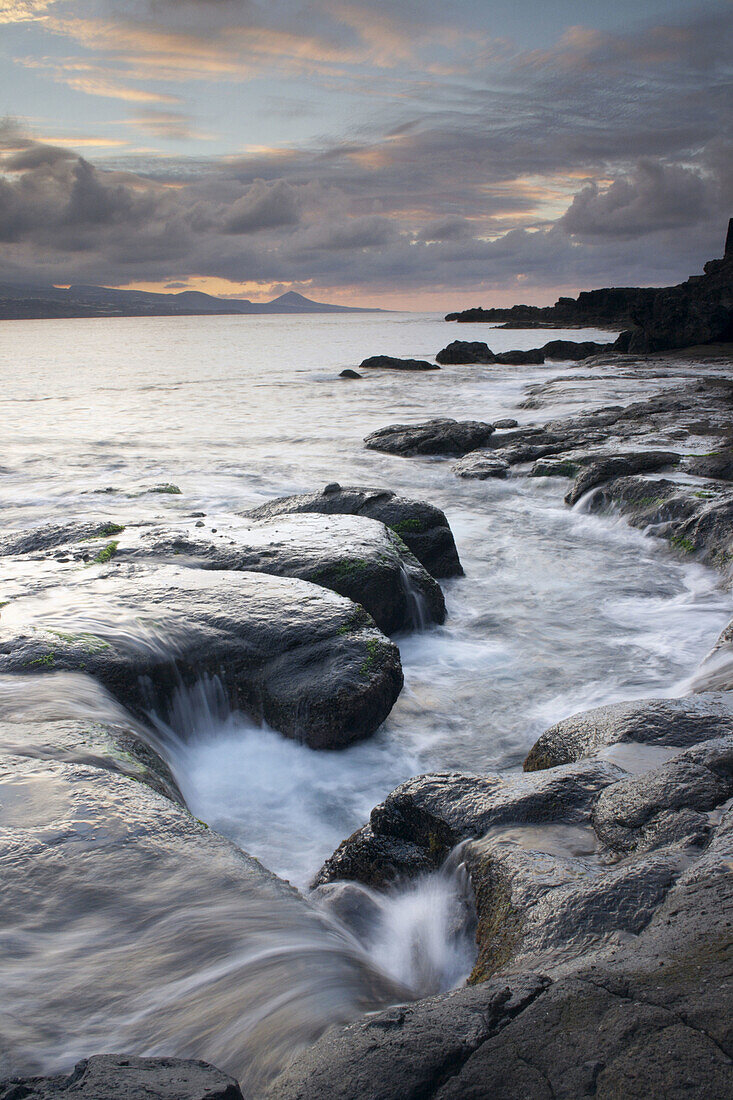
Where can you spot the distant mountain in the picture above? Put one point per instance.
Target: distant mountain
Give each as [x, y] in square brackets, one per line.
[21, 300]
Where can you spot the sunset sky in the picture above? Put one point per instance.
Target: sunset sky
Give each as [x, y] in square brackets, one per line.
[401, 153]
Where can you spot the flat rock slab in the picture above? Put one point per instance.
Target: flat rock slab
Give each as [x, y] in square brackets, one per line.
[676, 723]
[118, 1077]
[356, 557]
[434, 437]
[389, 362]
[421, 526]
[308, 662]
[481, 465]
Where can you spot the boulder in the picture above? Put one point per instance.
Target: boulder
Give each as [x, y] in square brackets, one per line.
[466, 351]
[573, 350]
[480, 465]
[421, 526]
[53, 535]
[670, 804]
[530, 357]
[507, 422]
[673, 723]
[349, 373]
[122, 1077]
[308, 662]
[619, 465]
[434, 437]
[423, 819]
[389, 362]
[356, 557]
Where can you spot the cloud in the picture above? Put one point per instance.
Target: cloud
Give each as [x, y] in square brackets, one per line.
[607, 158]
[263, 206]
[652, 197]
[23, 11]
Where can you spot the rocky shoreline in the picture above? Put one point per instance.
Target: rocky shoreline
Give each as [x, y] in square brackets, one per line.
[601, 875]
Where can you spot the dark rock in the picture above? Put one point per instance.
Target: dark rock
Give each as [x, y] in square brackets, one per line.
[507, 422]
[354, 556]
[699, 311]
[349, 373]
[466, 351]
[677, 723]
[49, 537]
[645, 811]
[422, 527]
[519, 358]
[609, 306]
[554, 467]
[435, 437]
[309, 663]
[433, 813]
[693, 521]
[480, 465]
[389, 362]
[573, 350]
[612, 466]
[718, 466]
[122, 1077]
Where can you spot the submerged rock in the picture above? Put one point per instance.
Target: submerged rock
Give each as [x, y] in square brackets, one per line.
[675, 723]
[122, 1077]
[52, 535]
[466, 351]
[356, 557]
[435, 437]
[421, 526]
[389, 362]
[308, 662]
[349, 373]
[480, 465]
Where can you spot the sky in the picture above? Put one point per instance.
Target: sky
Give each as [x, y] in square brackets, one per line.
[400, 153]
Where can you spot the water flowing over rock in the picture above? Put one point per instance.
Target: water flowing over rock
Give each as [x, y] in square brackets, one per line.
[421, 526]
[612, 466]
[306, 661]
[356, 557]
[196, 938]
[435, 437]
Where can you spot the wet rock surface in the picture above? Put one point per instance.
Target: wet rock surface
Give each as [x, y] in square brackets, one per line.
[353, 556]
[605, 954]
[421, 526]
[618, 466]
[117, 1077]
[673, 723]
[308, 662]
[480, 465]
[435, 437]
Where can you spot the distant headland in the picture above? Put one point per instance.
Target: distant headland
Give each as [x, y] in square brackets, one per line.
[698, 311]
[27, 302]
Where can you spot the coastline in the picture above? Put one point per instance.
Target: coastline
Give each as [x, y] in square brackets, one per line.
[526, 980]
